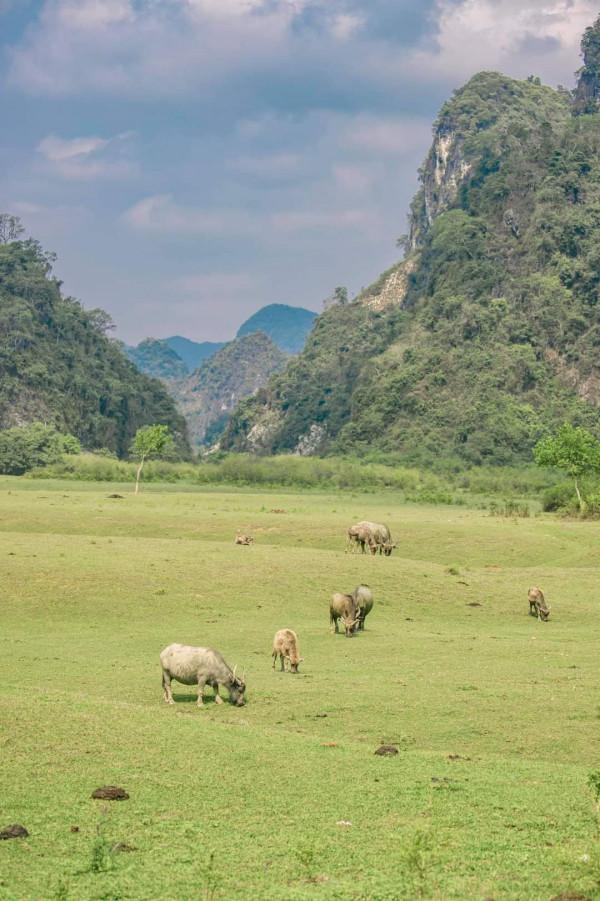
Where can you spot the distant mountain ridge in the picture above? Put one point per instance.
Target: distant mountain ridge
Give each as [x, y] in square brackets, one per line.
[288, 327]
[193, 353]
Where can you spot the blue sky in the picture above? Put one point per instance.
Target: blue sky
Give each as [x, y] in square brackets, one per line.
[192, 160]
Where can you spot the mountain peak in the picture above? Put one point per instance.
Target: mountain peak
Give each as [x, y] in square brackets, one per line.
[587, 94]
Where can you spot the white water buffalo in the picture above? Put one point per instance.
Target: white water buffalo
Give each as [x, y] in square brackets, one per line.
[374, 535]
[363, 598]
[200, 666]
[343, 606]
[285, 644]
[537, 604]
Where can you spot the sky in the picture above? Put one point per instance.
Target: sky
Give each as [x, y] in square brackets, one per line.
[190, 161]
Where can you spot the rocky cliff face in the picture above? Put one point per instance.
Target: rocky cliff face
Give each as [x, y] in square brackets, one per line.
[587, 93]
[208, 397]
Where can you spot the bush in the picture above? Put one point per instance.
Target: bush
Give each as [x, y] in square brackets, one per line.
[25, 447]
[559, 497]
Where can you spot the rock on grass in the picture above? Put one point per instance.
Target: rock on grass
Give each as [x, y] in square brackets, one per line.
[110, 793]
[14, 831]
[386, 750]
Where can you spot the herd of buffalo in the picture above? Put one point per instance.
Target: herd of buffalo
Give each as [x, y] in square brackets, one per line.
[205, 666]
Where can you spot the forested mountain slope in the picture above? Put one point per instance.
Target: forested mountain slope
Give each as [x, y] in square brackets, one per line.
[208, 395]
[57, 365]
[487, 333]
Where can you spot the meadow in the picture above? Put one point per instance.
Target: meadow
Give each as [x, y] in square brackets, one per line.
[495, 715]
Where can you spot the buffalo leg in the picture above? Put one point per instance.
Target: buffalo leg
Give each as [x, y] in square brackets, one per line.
[218, 698]
[201, 684]
[282, 658]
[274, 656]
[166, 683]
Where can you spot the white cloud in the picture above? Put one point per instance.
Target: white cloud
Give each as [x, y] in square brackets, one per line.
[345, 26]
[81, 159]
[162, 215]
[272, 167]
[521, 36]
[93, 14]
[147, 48]
[382, 135]
[59, 149]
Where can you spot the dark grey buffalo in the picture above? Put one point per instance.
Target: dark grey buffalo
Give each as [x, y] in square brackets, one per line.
[363, 598]
[200, 666]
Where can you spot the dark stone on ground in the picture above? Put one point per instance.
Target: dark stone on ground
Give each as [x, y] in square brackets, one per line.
[74, 828]
[473, 604]
[386, 750]
[110, 793]
[14, 831]
[116, 496]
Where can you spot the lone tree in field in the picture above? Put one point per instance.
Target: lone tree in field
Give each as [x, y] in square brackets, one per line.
[149, 441]
[574, 450]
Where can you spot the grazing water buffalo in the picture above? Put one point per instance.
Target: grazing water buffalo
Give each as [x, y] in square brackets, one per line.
[537, 604]
[375, 535]
[200, 666]
[285, 644]
[363, 598]
[358, 537]
[343, 606]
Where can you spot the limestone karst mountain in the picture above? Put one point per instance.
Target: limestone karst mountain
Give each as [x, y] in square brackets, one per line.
[208, 396]
[487, 333]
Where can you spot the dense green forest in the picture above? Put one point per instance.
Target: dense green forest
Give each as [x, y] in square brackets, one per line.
[58, 365]
[487, 334]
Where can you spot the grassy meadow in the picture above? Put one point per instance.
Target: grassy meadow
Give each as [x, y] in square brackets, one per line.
[496, 716]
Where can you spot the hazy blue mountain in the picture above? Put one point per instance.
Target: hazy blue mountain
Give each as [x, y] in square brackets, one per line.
[193, 353]
[288, 327]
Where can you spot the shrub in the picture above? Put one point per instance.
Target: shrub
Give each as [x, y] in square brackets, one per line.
[25, 447]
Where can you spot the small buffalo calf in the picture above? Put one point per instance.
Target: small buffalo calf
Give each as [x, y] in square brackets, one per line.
[285, 644]
[537, 604]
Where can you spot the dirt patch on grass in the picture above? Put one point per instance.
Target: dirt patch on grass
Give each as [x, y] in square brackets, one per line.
[387, 751]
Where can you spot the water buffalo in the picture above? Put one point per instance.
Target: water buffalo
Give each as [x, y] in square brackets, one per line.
[343, 606]
[375, 535]
[363, 598]
[359, 537]
[285, 644]
[200, 666]
[537, 604]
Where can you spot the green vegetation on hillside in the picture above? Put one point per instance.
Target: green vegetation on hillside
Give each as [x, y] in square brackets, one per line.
[58, 366]
[158, 360]
[493, 713]
[496, 340]
[208, 395]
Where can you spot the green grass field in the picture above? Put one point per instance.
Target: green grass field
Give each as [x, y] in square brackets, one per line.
[230, 803]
